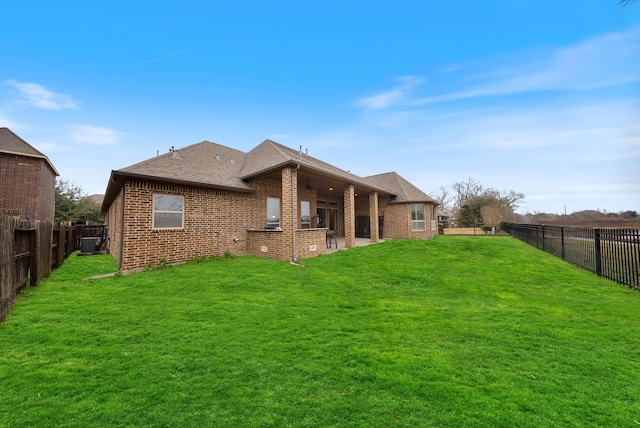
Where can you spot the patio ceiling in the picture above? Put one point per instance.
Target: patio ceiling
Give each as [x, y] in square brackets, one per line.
[327, 185]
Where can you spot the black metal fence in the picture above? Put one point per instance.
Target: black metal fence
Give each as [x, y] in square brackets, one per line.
[610, 253]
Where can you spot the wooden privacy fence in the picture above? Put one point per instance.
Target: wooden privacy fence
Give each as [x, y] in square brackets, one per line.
[28, 253]
[610, 253]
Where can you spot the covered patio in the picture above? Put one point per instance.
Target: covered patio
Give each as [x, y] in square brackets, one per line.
[359, 242]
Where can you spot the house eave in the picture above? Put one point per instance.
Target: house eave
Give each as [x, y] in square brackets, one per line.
[413, 201]
[118, 179]
[27, 155]
[356, 181]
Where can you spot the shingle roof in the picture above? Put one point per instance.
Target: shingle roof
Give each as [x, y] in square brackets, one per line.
[204, 163]
[209, 164]
[12, 144]
[404, 191]
[270, 155]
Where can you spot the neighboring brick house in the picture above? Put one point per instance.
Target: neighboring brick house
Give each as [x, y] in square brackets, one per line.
[27, 180]
[207, 199]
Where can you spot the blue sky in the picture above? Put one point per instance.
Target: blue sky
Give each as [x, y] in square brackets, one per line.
[538, 97]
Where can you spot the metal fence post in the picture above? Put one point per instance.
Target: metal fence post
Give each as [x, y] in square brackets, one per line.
[562, 241]
[596, 233]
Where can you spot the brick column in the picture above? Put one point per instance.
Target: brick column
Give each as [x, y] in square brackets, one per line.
[349, 216]
[288, 215]
[373, 217]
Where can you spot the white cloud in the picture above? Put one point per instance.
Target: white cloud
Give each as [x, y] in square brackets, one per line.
[98, 135]
[50, 147]
[386, 99]
[540, 146]
[603, 61]
[568, 130]
[41, 97]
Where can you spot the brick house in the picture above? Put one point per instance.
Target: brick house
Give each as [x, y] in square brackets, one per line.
[27, 180]
[207, 199]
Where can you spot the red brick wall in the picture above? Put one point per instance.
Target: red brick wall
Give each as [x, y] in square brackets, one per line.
[47, 203]
[310, 243]
[213, 218]
[27, 185]
[267, 243]
[277, 245]
[397, 222]
[114, 219]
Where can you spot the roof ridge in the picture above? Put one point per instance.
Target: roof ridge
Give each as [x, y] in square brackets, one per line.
[216, 144]
[384, 173]
[279, 147]
[163, 155]
[144, 162]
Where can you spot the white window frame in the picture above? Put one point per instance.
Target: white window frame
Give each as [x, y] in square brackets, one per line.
[273, 214]
[417, 224]
[305, 214]
[173, 209]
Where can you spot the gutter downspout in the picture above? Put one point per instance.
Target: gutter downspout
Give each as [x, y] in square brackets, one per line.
[121, 229]
[293, 220]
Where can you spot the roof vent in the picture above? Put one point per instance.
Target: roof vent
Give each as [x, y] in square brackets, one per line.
[232, 160]
[218, 156]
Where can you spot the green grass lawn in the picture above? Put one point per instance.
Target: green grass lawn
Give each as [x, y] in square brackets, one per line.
[456, 331]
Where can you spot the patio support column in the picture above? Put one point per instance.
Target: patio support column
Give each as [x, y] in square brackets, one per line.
[349, 216]
[373, 217]
[288, 210]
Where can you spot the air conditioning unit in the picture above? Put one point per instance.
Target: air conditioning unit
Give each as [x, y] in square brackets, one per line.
[89, 244]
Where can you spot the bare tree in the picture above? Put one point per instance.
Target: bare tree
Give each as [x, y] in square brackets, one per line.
[445, 199]
[511, 199]
[465, 190]
[470, 196]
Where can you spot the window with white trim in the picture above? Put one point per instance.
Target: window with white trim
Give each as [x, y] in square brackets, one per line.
[168, 211]
[273, 213]
[305, 214]
[418, 222]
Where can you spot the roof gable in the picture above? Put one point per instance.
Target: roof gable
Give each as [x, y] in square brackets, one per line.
[263, 158]
[269, 156]
[404, 190]
[12, 144]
